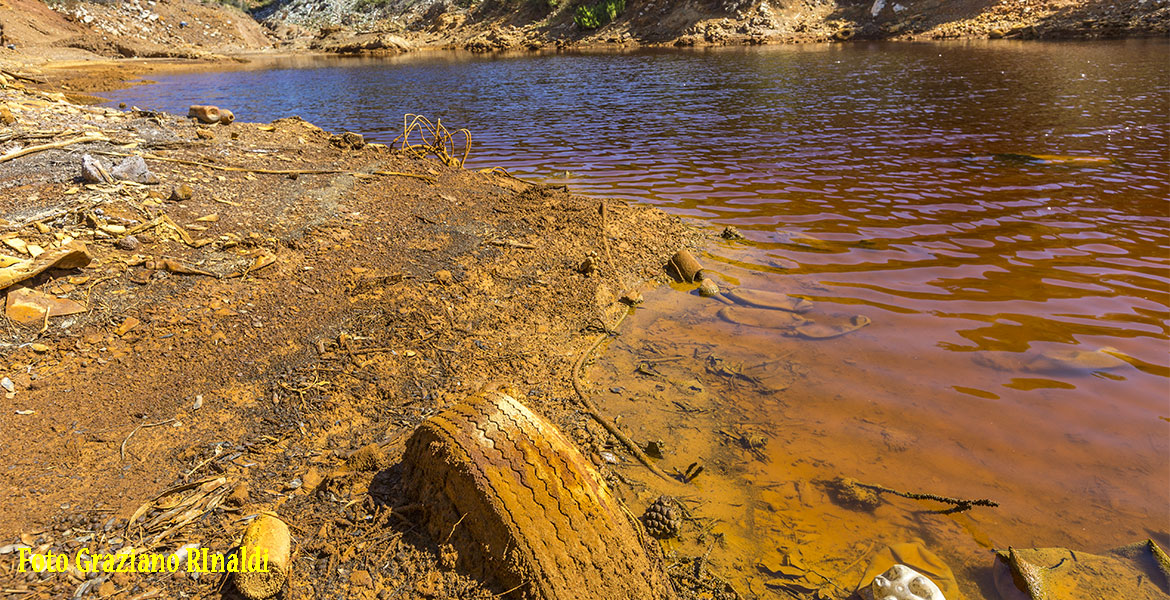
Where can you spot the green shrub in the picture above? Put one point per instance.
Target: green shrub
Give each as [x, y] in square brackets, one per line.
[597, 15]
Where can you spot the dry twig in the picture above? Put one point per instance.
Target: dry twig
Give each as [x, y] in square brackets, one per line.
[591, 409]
[144, 426]
[89, 137]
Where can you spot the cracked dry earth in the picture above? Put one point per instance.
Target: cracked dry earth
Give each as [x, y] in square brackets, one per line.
[271, 342]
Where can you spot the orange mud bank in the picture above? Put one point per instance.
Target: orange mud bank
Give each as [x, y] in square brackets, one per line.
[280, 299]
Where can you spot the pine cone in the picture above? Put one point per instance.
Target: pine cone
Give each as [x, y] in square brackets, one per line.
[663, 518]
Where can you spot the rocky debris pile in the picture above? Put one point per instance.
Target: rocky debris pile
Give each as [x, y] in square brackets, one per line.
[1029, 19]
[145, 28]
[356, 14]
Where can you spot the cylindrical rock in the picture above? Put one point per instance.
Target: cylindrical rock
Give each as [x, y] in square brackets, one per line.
[266, 539]
[686, 267]
[226, 117]
[205, 113]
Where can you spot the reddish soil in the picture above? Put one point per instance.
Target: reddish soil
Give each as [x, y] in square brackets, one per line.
[284, 322]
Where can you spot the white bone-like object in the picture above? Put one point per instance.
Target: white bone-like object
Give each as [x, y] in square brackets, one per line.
[903, 583]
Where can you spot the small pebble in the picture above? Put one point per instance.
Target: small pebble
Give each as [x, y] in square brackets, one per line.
[128, 243]
[633, 297]
[181, 193]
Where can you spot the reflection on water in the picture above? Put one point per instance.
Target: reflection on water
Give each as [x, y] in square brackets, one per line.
[1018, 345]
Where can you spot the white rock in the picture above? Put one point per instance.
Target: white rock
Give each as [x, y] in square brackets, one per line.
[903, 583]
[134, 169]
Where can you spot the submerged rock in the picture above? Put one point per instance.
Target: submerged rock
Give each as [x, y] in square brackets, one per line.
[1054, 361]
[1063, 360]
[825, 328]
[770, 300]
[759, 317]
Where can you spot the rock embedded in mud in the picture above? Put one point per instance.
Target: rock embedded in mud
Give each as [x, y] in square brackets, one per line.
[533, 514]
[708, 289]
[181, 192]
[239, 495]
[92, 171]
[348, 141]
[633, 298]
[663, 518]
[370, 457]
[128, 243]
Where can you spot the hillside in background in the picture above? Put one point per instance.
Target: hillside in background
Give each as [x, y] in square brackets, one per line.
[201, 29]
[499, 24]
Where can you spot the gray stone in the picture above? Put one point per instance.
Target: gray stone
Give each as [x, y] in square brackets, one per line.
[92, 170]
[128, 243]
[134, 169]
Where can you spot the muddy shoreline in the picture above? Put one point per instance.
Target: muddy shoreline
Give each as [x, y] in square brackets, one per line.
[281, 298]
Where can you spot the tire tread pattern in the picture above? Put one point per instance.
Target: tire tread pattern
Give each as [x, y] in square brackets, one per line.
[524, 508]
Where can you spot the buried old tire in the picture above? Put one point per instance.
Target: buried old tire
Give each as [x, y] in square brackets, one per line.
[523, 508]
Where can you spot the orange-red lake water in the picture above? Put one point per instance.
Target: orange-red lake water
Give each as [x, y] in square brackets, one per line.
[1018, 344]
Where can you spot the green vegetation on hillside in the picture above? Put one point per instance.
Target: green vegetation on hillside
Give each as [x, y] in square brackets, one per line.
[597, 15]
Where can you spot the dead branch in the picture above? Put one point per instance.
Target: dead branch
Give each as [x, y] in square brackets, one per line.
[89, 137]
